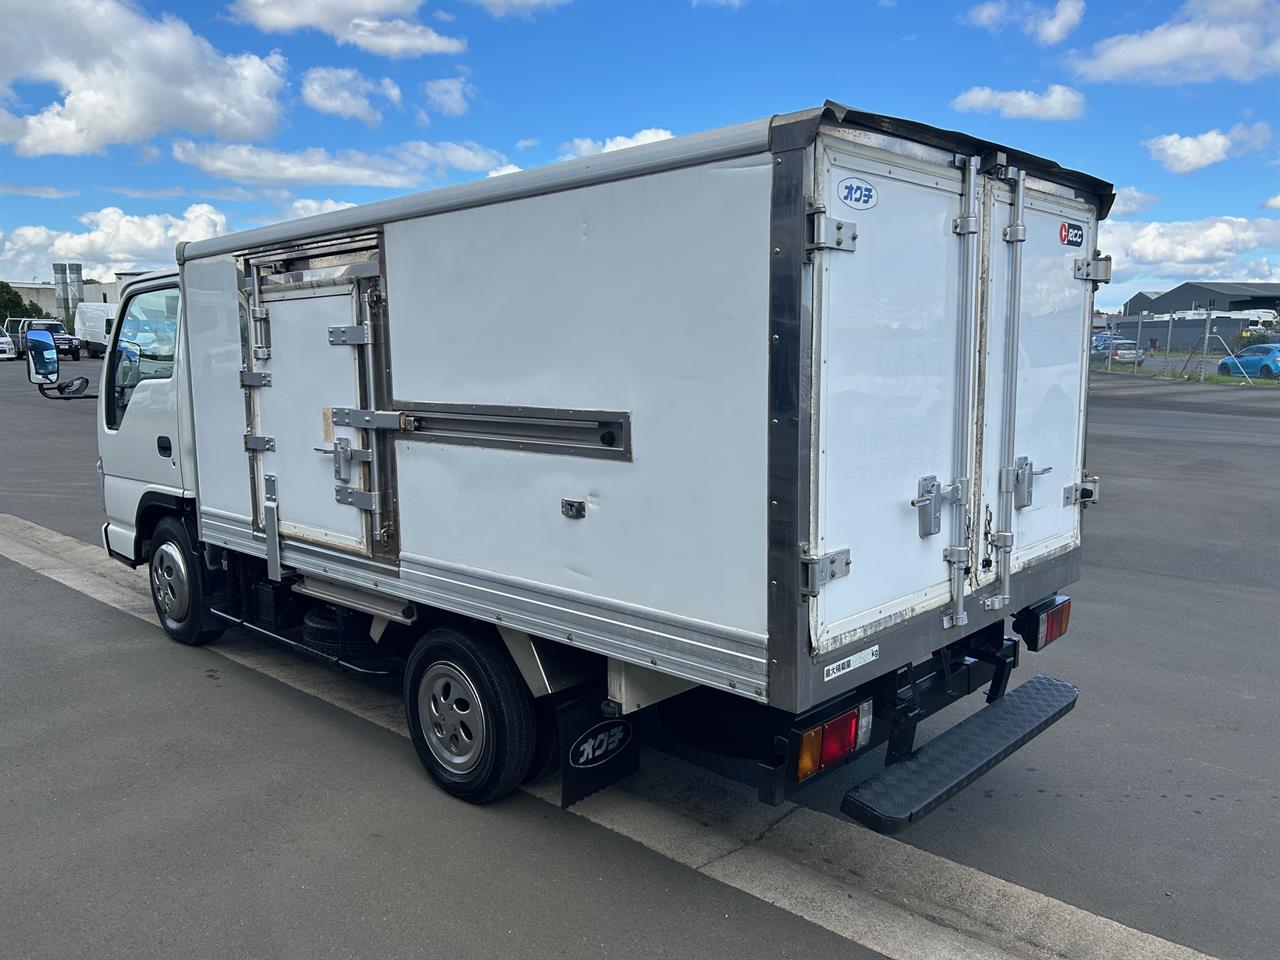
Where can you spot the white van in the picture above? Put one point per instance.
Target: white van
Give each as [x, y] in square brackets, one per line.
[93, 326]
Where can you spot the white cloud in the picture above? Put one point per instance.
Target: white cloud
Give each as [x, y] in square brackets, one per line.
[444, 16]
[1051, 28]
[1204, 41]
[375, 26]
[1056, 103]
[450, 96]
[1131, 200]
[407, 164]
[1045, 25]
[44, 193]
[526, 143]
[304, 207]
[731, 4]
[151, 75]
[1161, 254]
[518, 8]
[113, 241]
[504, 169]
[586, 147]
[1271, 203]
[345, 92]
[1179, 154]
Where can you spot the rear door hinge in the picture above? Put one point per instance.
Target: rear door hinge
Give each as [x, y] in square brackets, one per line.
[254, 442]
[255, 378]
[825, 232]
[1096, 268]
[816, 572]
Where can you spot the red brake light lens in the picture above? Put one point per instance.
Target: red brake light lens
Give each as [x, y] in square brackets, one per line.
[834, 740]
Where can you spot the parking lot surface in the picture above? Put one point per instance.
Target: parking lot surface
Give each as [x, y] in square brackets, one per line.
[166, 796]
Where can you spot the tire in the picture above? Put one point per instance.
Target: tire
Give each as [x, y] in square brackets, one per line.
[75, 355]
[478, 710]
[1267, 373]
[177, 588]
[1224, 370]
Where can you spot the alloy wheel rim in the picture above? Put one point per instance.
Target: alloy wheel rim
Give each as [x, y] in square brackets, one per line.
[170, 583]
[451, 717]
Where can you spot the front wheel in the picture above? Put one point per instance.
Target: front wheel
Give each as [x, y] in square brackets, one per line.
[75, 354]
[1224, 370]
[470, 714]
[176, 586]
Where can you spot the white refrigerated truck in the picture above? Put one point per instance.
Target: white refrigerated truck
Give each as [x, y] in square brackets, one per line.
[782, 422]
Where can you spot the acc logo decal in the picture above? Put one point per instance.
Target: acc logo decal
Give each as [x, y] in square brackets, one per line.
[1070, 234]
[602, 742]
[857, 193]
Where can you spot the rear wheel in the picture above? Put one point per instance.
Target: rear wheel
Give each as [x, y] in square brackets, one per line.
[470, 714]
[176, 586]
[1267, 373]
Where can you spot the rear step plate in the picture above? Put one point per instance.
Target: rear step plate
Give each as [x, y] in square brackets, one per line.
[906, 791]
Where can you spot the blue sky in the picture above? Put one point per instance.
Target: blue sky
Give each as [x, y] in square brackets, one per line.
[124, 127]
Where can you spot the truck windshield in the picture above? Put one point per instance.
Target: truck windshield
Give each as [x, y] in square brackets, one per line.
[51, 327]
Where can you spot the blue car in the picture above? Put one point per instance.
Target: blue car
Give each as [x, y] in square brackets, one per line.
[1262, 360]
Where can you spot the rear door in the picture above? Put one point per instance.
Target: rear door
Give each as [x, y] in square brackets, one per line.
[1055, 314]
[888, 318]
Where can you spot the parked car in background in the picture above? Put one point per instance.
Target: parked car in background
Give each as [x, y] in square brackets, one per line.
[93, 326]
[1125, 351]
[7, 350]
[65, 342]
[1261, 360]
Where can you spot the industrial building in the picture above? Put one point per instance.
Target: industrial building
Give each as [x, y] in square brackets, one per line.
[1198, 295]
[59, 299]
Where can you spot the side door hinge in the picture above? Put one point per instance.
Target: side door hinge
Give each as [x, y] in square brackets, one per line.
[260, 320]
[825, 232]
[360, 499]
[357, 335]
[1096, 268]
[816, 572]
[371, 419]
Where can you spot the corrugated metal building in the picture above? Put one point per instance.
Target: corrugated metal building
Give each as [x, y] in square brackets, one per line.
[1198, 295]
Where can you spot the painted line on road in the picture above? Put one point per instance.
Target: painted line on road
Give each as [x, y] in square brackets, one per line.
[886, 895]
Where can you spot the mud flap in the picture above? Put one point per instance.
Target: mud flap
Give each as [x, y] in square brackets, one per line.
[595, 750]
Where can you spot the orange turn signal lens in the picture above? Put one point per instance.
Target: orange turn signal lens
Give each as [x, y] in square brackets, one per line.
[810, 754]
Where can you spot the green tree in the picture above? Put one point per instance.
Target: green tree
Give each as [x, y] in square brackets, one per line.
[11, 304]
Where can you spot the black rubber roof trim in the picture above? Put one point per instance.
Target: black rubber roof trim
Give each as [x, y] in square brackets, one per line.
[790, 131]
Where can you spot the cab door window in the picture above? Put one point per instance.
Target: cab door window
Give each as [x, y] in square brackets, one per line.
[144, 348]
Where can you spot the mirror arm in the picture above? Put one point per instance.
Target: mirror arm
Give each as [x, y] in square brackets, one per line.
[58, 390]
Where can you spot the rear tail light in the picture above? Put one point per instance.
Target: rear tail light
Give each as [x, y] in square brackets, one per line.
[831, 742]
[1042, 623]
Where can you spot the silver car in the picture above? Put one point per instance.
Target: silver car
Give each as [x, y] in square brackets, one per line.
[7, 351]
[1126, 351]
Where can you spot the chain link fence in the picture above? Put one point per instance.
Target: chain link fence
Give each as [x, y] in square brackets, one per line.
[1170, 348]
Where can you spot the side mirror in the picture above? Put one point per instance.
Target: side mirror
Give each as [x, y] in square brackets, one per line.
[42, 357]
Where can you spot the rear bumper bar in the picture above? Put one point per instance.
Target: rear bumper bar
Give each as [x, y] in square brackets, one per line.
[907, 790]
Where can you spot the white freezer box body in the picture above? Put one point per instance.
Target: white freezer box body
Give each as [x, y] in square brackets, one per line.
[652, 297]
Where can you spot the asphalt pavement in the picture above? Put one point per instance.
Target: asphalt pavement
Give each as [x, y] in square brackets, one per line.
[278, 825]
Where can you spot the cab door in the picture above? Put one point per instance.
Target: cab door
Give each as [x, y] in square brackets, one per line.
[138, 410]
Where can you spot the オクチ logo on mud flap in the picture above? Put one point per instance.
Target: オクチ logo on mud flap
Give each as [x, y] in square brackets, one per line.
[602, 742]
